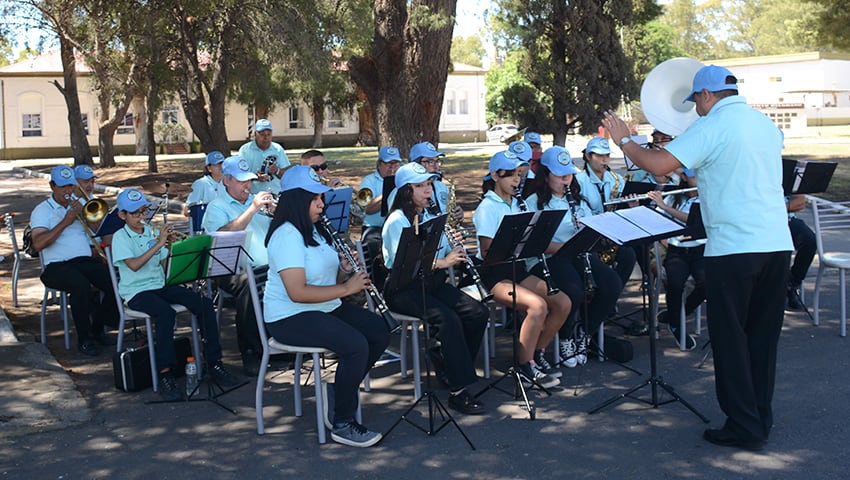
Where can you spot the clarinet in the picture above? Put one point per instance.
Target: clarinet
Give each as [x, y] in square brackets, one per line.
[377, 300]
[551, 289]
[485, 294]
[589, 281]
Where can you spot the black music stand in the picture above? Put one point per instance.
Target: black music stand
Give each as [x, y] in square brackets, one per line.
[642, 225]
[800, 177]
[520, 236]
[198, 263]
[337, 205]
[413, 262]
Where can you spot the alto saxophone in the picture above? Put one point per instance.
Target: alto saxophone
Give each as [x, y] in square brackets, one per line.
[608, 255]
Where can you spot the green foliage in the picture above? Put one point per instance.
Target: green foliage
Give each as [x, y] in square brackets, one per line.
[468, 50]
[833, 17]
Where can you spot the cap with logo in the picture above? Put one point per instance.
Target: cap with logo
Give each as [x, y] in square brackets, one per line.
[62, 176]
[533, 137]
[411, 173]
[215, 157]
[505, 160]
[424, 149]
[389, 154]
[131, 200]
[238, 168]
[303, 177]
[598, 145]
[521, 149]
[557, 160]
[84, 172]
[262, 124]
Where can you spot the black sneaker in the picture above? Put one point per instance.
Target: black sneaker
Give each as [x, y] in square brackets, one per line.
[104, 340]
[168, 388]
[690, 341]
[353, 434]
[251, 363]
[545, 366]
[793, 302]
[222, 376]
[89, 348]
[582, 343]
[530, 375]
[464, 403]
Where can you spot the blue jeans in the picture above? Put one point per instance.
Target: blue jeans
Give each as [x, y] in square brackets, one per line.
[157, 304]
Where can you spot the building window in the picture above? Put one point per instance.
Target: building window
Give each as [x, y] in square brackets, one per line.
[463, 103]
[126, 127]
[31, 125]
[84, 117]
[169, 114]
[450, 103]
[296, 120]
[775, 79]
[334, 119]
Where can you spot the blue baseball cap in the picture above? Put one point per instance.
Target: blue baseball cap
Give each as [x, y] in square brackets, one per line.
[521, 149]
[389, 154]
[505, 160]
[237, 167]
[713, 79]
[424, 149]
[131, 200]
[303, 177]
[215, 157]
[62, 176]
[84, 172]
[557, 160]
[598, 145]
[262, 124]
[412, 173]
[533, 137]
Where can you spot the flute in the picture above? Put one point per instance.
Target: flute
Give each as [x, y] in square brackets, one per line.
[638, 198]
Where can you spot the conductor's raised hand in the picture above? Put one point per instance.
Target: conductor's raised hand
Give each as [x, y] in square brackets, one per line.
[615, 126]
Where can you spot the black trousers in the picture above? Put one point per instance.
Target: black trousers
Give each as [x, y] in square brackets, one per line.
[76, 276]
[247, 335]
[746, 301]
[456, 320]
[805, 243]
[680, 264]
[356, 335]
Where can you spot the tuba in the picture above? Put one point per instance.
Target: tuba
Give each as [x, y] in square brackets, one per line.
[664, 91]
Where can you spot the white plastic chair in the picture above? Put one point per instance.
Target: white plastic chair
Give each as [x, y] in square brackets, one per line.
[831, 217]
[18, 255]
[50, 295]
[126, 313]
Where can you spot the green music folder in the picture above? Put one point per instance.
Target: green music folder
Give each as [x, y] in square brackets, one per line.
[189, 259]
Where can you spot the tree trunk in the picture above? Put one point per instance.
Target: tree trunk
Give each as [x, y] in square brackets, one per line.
[150, 100]
[80, 148]
[404, 75]
[318, 108]
[366, 120]
[140, 124]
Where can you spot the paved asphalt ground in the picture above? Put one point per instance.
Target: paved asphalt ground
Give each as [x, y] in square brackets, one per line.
[66, 420]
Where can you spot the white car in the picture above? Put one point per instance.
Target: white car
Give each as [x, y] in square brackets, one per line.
[498, 133]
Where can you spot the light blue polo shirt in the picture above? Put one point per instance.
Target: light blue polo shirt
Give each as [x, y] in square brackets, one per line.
[255, 158]
[591, 184]
[73, 242]
[129, 244]
[737, 154]
[488, 216]
[205, 190]
[320, 266]
[374, 182]
[391, 234]
[226, 209]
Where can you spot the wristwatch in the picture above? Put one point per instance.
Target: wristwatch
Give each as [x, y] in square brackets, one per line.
[624, 141]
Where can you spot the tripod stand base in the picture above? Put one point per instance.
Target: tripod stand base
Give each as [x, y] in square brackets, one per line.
[519, 389]
[211, 395]
[653, 382]
[434, 407]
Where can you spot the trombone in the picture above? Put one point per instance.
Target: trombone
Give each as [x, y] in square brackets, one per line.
[94, 211]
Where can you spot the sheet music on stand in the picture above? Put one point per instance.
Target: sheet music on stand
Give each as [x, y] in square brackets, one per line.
[641, 140]
[227, 250]
[202, 256]
[800, 177]
[337, 206]
[623, 226]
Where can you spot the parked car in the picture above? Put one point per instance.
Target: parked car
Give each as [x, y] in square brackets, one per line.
[498, 133]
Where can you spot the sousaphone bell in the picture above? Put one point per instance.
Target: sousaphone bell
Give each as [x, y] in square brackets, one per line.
[664, 91]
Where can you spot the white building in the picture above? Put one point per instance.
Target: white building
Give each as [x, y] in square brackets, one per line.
[34, 116]
[796, 90]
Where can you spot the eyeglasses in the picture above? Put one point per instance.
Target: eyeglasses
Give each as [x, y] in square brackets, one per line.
[323, 166]
[139, 213]
[432, 162]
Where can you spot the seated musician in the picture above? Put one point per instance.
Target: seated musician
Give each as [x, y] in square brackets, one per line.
[545, 314]
[302, 306]
[524, 152]
[315, 159]
[210, 186]
[456, 321]
[86, 179]
[65, 248]
[426, 154]
[684, 259]
[375, 211]
[659, 141]
[805, 247]
[599, 184]
[536, 143]
[137, 251]
[556, 189]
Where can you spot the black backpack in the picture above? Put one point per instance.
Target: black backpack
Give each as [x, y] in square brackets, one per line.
[27, 242]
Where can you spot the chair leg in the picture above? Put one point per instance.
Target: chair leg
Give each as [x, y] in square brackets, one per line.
[682, 324]
[152, 354]
[417, 367]
[63, 305]
[842, 285]
[698, 319]
[196, 345]
[299, 362]
[258, 395]
[816, 320]
[317, 385]
[600, 340]
[485, 348]
[44, 318]
[16, 269]
[402, 359]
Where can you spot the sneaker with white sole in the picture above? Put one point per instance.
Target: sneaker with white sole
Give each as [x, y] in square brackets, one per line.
[582, 343]
[353, 434]
[690, 341]
[545, 366]
[567, 349]
[531, 375]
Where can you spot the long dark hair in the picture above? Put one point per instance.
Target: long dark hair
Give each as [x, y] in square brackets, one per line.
[294, 207]
[544, 193]
[404, 201]
[490, 184]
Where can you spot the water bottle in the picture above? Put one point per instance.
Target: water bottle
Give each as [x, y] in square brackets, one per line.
[191, 376]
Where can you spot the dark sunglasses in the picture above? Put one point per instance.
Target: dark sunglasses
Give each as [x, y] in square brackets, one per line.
[323, 166]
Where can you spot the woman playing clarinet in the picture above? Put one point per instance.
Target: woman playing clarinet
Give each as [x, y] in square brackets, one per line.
[302, 301]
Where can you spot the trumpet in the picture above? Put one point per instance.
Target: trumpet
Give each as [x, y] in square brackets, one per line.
[377, 300]
[468, 264]
[269, 211]
[94, 211]
[363, 197]
[638, 198]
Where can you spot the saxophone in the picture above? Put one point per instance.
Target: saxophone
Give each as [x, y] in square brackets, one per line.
[451, 204]
[610, 254]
